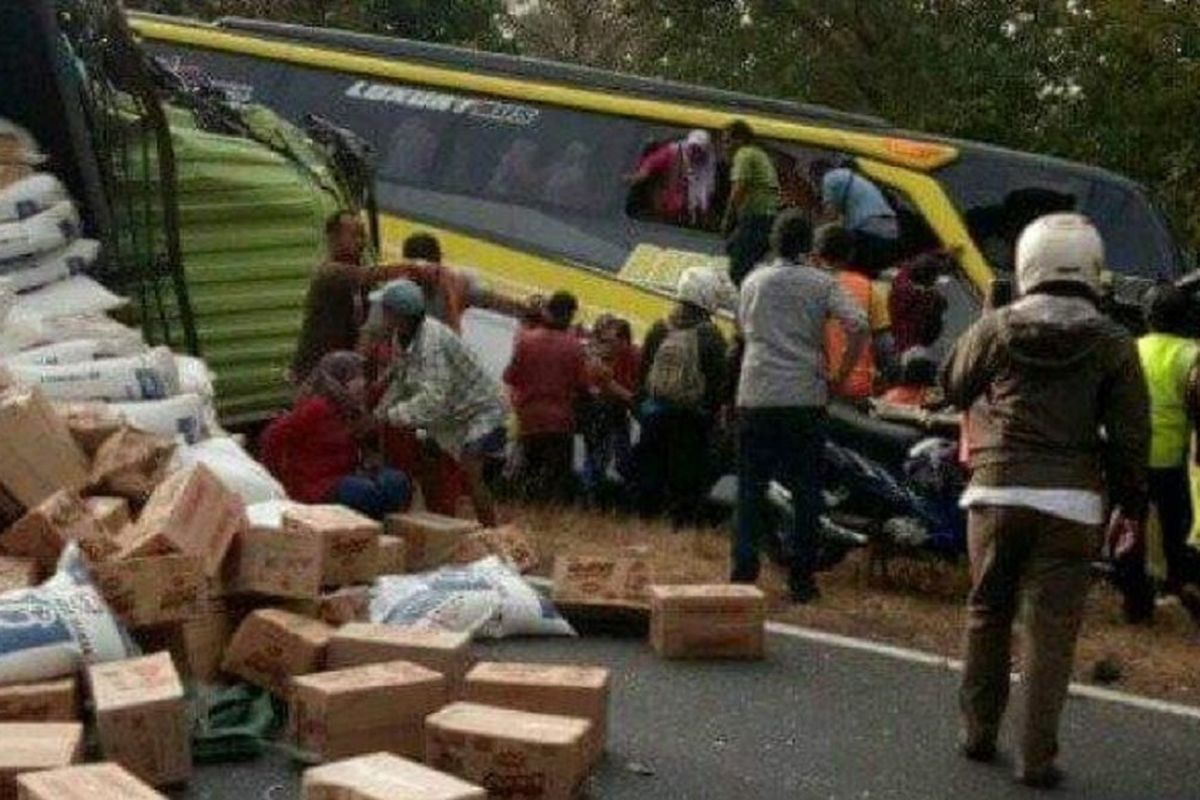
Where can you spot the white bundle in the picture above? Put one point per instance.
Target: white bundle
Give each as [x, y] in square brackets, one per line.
[236, 468]
[23, 274]
[151, 376]
[182, 416]
[75, 296]
[115, 339]
[30, 196]
[19, 330]
[49, 230]
[74, 351]
[195, 376]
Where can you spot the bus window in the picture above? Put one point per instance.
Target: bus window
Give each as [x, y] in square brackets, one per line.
[679, 178]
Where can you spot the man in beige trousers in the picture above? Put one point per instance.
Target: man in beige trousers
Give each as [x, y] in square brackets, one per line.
[1041, 380]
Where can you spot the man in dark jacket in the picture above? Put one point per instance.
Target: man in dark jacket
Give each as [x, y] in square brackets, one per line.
[1040, 380]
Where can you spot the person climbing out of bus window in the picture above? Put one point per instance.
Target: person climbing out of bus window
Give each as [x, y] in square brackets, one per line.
[864, 211]
[683, 177]
[917, 308]
[567, 183]
[782, 398]
[918, 384]
[1170, 356]
[613, 365]
[316, 449]
[335, 308]
[834, 248]
[546, 378]
[753, 201]
[682, 384]
[438, 387]
[518, 176]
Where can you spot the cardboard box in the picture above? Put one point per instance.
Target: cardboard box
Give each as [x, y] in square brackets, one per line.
[34, 746]
[91, 423]
[509, 753]
[272, 646]
[392, 555]
[111, 512]
[569, 690]
[350, 553]
[383, 776]
[445, 652]
[154, 591]
[717, 621]
[43, 532]
[429, 538]
[337, 608]
[277, 564]
[142, 719]
[50, 701]
[365, 709]
[191, 512]
[88, 782]
[38, 457]
[508, 542]
[131, 464]
[18, 573]
[602, 583]
[197, 646]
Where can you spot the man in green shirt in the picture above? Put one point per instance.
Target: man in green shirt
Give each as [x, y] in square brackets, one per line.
[753, 201]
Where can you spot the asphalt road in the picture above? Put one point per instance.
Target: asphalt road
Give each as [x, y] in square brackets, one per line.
[813, 721]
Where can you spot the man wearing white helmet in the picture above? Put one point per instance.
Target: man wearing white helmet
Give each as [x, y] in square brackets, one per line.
[1041, 379]
[438, 385]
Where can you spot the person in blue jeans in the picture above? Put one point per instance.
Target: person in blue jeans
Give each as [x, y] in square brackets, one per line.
[784, 308]
[387, 491]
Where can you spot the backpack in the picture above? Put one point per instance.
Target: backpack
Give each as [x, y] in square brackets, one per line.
[675, 376]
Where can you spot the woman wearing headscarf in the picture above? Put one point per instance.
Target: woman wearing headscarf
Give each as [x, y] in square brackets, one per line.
[316, 452]
[684, 176]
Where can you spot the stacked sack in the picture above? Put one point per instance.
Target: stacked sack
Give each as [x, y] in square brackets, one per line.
[56, 335]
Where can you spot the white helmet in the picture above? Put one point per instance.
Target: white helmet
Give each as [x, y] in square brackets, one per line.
[1059, 248]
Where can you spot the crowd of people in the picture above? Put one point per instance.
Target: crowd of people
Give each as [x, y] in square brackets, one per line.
[1069, 423]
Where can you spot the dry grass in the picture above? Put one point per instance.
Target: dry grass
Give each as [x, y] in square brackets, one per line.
[921, 608]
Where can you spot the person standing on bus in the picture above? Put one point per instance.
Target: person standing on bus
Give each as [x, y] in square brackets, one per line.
[335, 308]
[753, 201]
[866, 213]
[784, 312]
[1058, 412]
[437, 387]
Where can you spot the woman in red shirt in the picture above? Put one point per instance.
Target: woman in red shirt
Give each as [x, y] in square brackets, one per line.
[315, 449]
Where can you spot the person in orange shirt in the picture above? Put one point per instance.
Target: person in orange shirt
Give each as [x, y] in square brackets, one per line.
[834, 247]
[918, 381]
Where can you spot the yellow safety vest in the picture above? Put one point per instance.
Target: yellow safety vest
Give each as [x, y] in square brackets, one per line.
[1167, 360]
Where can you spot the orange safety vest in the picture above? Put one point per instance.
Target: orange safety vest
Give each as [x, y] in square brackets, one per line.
[861, 381]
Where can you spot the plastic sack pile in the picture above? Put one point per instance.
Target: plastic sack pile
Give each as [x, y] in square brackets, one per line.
[56, 335]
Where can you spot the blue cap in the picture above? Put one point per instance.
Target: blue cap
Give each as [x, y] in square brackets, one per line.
[402, 297]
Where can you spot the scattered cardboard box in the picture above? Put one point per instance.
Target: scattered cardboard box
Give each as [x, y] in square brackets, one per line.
[365, 709]
[91, 423]
[272, 646]
[191, 512]
[197, 646]
[446, 652]
[599, 584]
[38, 457]
[111, 512]
[569, 690]
[392, 556]
[429, 538]
[716, 621]
[509, 542]
[18, 573]
[350, 554]
[50, 701]
[43, 532]
[87, 782]
[142, 719]
[509, 753]
[337, 608]
[384, 776]
[131, 464]
[154, 591]
[270, 562]
[34, 746]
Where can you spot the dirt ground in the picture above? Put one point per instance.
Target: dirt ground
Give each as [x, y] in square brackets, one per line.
[920, 606]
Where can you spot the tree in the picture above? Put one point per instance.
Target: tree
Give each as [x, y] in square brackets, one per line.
[598, 33]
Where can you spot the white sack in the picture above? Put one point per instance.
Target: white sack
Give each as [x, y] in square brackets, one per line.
[75, 296]
[74, 351]
[24, 274]
[235, 467]
[181, 416]
[31, 196]
[150, 376]
[49, 230]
